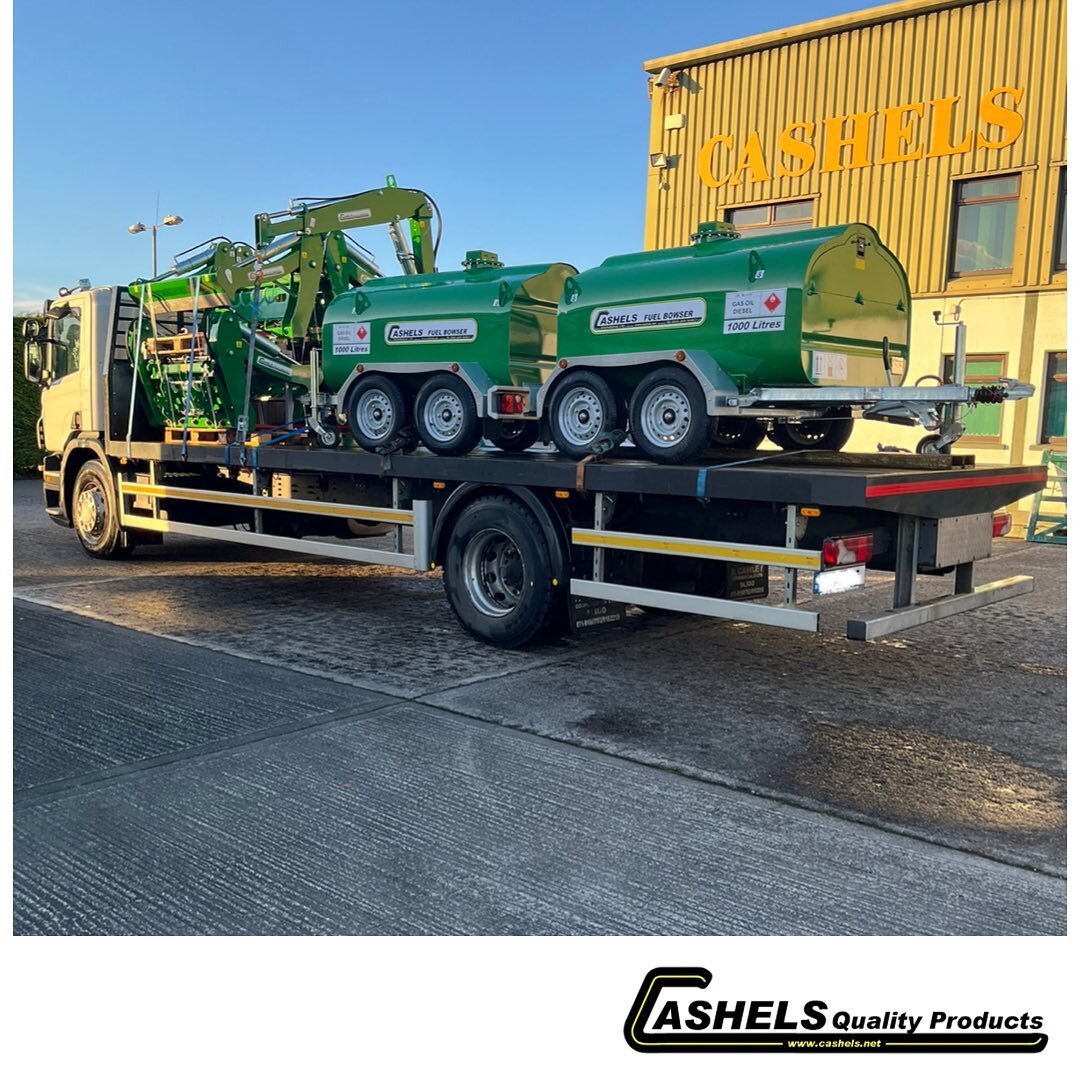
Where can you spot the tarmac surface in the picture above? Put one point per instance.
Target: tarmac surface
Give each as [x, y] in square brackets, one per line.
[214, 739]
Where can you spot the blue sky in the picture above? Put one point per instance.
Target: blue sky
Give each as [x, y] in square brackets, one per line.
[528, 124]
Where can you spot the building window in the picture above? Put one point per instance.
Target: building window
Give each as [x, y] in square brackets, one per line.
[1055, 392]
[1061, 228]
[982, 423]
[775, 217]
[984, 228]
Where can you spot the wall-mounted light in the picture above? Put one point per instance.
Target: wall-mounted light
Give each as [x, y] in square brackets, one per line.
[662, 77]
[659, 161]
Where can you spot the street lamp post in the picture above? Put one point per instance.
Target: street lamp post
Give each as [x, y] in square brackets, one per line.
[138, 227]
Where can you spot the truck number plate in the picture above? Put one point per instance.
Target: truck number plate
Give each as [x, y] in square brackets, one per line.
[827, 582]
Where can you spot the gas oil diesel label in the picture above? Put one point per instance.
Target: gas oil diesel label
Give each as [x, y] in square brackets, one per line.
[659, 316]
[352, 339]
[754, 312]
[430, 333]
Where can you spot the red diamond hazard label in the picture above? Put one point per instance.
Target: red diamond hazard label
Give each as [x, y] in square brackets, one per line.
[772, 302]
[361, 332]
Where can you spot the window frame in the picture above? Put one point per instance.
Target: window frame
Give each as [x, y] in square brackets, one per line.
[1060, 264]
[948, 370]
[772, 225]
[1055, 442]
[958, 202]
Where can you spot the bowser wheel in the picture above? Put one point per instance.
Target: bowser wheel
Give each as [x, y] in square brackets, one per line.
[737, 433]
[445, 416]
[377, 412]
[583, 407]
[668, 417]
[826, 434]
[513, 436]
[94, 514]
[498, 574]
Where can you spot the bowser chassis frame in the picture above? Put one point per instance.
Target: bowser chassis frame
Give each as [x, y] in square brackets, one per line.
[617, 530]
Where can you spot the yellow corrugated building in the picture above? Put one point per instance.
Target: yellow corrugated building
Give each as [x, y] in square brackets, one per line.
[939, 122]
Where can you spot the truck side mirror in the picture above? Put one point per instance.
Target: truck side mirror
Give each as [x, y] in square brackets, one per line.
[32, 361]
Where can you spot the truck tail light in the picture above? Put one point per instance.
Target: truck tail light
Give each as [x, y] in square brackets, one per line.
[848, 550]
[1002, 523]
[510, 404]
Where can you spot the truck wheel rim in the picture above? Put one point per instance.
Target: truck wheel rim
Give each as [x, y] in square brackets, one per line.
[90, 512]
[666, 414]
[375, 415]
[581, 416]
[444, 415]
[493, 571]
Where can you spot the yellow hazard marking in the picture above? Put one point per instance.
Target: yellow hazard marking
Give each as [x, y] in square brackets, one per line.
[706, 549]
[266, 502]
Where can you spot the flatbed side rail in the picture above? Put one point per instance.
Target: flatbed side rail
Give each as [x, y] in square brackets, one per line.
[418, 517]
[789, 557]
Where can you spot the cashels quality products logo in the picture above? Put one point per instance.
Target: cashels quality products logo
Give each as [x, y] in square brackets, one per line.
[672, 1013]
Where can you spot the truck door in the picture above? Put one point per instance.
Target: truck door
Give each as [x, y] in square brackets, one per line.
[65, 393]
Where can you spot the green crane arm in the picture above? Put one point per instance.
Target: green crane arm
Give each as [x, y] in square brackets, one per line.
[307, 244]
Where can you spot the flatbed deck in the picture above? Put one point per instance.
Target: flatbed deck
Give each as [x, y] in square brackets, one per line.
[931, 486]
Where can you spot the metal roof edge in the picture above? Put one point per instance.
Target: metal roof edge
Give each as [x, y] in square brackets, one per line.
[789, 35]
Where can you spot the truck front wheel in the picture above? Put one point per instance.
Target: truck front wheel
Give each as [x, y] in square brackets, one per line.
[94, 513]
[498, 573]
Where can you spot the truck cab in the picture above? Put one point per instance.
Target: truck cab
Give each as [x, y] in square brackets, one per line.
[66, 352]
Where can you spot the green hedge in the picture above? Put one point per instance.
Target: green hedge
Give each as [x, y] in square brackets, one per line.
[27, 398]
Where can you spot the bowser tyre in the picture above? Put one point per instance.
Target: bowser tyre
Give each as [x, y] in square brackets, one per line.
[445, 415]
[737, 433]
[498, 573]
[514, 436]
[829, 434]
[94, 513]
[583, 408]
[668, 417]
[377, 411]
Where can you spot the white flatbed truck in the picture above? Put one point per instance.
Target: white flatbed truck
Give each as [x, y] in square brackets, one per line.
[530, 544]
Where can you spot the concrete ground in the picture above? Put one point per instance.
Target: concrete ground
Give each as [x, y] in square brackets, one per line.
[211, 739]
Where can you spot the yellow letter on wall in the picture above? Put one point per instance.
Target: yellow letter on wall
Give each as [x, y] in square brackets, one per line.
[705, 160]
[1010, 121]
[797, 148]
[752, 158]
[898, 132]
[835, 141]
[941, 121]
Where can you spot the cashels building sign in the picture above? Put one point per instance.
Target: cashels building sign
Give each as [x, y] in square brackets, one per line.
[912, 131]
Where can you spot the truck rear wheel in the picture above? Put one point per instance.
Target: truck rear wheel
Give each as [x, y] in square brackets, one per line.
[498, 573]
[94, 513]
[826, 434]
[445, 416]
[377, 412]
[668, 418]
[583, 408]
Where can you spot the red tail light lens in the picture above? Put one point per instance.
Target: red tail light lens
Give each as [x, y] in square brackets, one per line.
[510, 404]
[848, 550]
[1002, 523]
